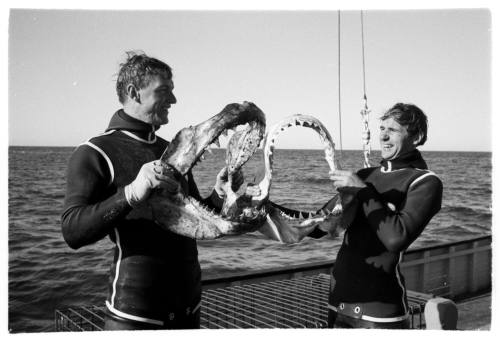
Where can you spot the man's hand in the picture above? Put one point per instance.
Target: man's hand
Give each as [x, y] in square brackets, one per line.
[151, 175]
[221, 184]
[349, 179]
[252, 190]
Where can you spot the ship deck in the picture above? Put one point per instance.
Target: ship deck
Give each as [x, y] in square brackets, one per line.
[294, 303]
[475, 313]
[297, 297]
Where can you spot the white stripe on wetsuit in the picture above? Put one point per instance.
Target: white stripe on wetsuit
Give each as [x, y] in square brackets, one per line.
[388, 319]
[376, 319]
[132, 317]
[429, 173]
[104, 155]
[398, 276]
[132, 135]
[110, 306]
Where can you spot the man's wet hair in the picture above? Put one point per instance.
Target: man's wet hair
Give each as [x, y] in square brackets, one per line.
[409, 115]
[139, 69]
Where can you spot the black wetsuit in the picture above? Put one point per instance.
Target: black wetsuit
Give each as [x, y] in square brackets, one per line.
[400, 199]
[155, 278]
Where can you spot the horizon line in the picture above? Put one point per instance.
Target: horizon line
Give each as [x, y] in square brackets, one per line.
[310, 149]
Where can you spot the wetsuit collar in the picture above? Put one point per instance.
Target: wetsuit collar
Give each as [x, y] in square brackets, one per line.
[409, 159]
[121, 121]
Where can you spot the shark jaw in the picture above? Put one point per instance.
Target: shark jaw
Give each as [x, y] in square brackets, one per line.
[241, 213]
[190, 143]
[183, 214]
[288, 225]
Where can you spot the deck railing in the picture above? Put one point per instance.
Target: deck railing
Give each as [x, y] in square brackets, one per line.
[452, 270]
[297, 297]
[293, 303]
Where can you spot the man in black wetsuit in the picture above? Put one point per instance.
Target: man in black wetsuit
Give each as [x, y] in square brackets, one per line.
[155, 278]
[395, 202]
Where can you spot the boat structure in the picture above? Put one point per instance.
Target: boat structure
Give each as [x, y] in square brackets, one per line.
[449, 287]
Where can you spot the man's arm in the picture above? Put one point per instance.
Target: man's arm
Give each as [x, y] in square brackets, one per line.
[212, 201]
[398, 229]
[91, 209]
[88, 216]
[216, 198]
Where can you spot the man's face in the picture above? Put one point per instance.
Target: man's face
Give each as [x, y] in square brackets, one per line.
[394, 139]
[155, 100]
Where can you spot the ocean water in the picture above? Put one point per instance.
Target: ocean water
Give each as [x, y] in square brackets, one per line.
[45, 274]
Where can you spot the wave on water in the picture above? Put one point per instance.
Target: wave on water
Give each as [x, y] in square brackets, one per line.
[466, 210]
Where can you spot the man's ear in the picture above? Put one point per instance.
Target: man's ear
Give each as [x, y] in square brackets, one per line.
[417, 139]
[133, 93]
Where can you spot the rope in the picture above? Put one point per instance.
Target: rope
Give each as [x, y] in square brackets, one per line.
[365, 135]
[363, 53]
[340, 107]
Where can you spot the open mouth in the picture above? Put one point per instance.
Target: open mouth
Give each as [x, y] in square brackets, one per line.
[190, 143]
[245, 123]
[244, 139]
[230, 132]
[310, 122]
[272, 138]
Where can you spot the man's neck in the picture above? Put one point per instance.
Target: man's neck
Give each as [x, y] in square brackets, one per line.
[409, 153]
[131, 111]
[411, 158]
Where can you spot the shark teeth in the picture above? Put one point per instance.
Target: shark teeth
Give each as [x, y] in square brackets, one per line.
[305, 215]
[295, 122]
[286, 216]
[247, 216]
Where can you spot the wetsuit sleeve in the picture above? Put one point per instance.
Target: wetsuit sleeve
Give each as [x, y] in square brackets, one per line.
[398, 229]
[212, 201]
[90, 208]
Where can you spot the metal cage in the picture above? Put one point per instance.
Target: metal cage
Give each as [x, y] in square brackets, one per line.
[292, 303]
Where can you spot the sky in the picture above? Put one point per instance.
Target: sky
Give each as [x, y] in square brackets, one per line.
[63, 65]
